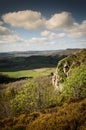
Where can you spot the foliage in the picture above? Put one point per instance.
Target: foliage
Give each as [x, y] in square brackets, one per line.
[73, 61]
[75, 84]
[70, 116]
[35, 96]
[34, 104]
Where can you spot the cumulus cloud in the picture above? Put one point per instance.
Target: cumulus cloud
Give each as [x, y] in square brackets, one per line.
[6, 36]
[27, 19]
[82, 27]
[60, 21]
[37, 40]
[4, 31]
[60, 35]
[76, 34]
[52, 35]
[77, 30]
[45, 33]
[1, 22]
[34, 20]
[63, 22]
[10, 39]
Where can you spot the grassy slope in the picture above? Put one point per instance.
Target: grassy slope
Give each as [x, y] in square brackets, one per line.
[71, 116]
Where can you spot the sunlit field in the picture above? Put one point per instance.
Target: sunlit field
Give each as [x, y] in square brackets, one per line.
[30, 73]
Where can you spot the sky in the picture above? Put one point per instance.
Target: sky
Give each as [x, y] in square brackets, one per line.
[35, 25]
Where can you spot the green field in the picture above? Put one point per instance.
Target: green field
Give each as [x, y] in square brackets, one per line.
[30, 73]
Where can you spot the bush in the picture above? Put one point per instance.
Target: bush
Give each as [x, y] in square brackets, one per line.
[69, 117]
[19, 127]
[75, 84]
[35, 96]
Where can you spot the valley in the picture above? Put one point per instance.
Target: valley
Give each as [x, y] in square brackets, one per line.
[28, 97]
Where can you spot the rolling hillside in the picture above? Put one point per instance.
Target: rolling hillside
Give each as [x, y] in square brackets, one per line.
[37, 104]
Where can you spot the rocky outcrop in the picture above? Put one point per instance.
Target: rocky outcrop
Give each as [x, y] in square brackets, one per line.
[65, 66]
[56, 78]
[55, 81]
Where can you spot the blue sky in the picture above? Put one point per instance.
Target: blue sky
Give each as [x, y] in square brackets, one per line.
[42, 25]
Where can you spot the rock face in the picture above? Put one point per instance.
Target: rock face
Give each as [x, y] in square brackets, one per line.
[65, 66]
[55, 80]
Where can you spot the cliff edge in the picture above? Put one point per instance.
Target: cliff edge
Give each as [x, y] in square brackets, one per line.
[65, 67]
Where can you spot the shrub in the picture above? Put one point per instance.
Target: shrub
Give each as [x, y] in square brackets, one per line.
[19, 127]
[69, 117]
[75, 84]
[35, 96]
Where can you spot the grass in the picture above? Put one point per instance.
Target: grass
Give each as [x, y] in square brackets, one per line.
[30, 73]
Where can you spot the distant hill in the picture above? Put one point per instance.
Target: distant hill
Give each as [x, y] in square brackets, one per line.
[32, 60]
[32, 53]
[66, 52]
[27, 53]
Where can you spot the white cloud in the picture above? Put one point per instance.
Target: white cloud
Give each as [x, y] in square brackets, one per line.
[4, 31]
[52, 35]
[37, 40]
[7, 36]
[76, 34]
[27, 19]
[10, 39]
[60, 35]
[1, 22]
[34, 20]
[60, 21]
[63, 22]
[77, 27]
[78, 30]
[45, 33]
[48, 34]
[82, 27]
